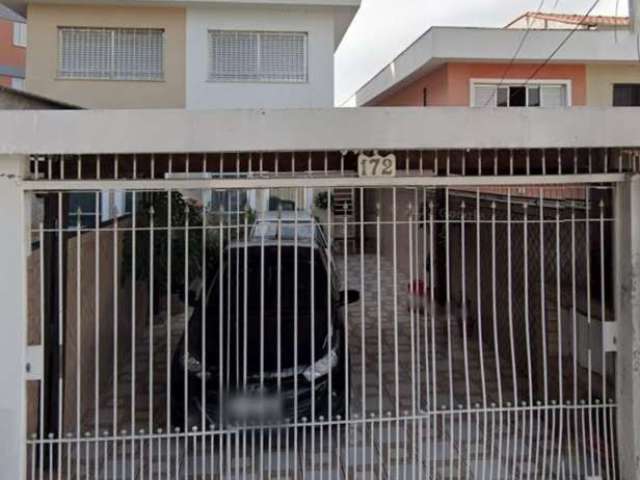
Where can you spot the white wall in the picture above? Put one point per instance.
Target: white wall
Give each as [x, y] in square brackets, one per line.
[317, 92]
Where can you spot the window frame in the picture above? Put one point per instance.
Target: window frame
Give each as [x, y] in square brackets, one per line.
[112, 76]
[19, 34]
[19, 81]
[517, 82]
[211, 78]
[624, 84]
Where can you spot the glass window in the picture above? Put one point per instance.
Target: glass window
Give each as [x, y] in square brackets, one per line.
[521, 95]
[534, 96]
[517, 96]
[257, 56]
[20, 34]
[17, 83]
[503, 96]
[626, 95]
[111, 53]
[484, 96]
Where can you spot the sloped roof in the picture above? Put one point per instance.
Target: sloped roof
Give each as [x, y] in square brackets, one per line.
[7, 14]
[576, 19]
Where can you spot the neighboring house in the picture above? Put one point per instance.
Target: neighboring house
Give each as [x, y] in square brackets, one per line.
[194, 55]
[546, 20]
[485, 67]
[13, 45]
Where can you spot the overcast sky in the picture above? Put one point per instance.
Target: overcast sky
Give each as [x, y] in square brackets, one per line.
[384, 28]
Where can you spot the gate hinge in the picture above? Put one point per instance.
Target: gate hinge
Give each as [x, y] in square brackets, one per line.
[610, 337]
[34, 365]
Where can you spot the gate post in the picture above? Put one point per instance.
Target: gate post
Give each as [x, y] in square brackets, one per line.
[627, 305]
[14, 235]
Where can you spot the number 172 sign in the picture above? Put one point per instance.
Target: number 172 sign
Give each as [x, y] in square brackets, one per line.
[376, 165]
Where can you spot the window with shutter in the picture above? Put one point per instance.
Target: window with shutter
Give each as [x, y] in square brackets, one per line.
[111, 53]
[524, 94]
[239, 56]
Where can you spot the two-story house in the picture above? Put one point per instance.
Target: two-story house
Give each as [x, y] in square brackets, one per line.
[194, 55]
[539, 60]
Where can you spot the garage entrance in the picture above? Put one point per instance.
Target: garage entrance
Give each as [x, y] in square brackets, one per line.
[277, 316]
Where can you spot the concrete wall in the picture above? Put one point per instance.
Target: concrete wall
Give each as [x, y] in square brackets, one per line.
[601, 78]
[317, 92]
[42, 56]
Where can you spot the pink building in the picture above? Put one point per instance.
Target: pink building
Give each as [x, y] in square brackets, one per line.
[539, 60]
[13, 46]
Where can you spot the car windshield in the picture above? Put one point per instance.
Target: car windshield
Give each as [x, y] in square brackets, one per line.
[269, 230]
[275, 275]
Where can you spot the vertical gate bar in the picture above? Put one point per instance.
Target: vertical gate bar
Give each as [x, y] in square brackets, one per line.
[495, 331]
[133, 320]
[543, 316]
[559, 315]
[245, 305]
[528, 437]
[395, 321]
[510, 314]
[203, 325]
[379, 325]
[151, 386]
[467, 383]
[345, 286]
[592, 411]
[363, 346]
[330, 272]
[448, 306]
[78, 335]
[169, 194]
[426, 410]
[483, 382]
[296, 417]
[312, 431]
[185, 385]
[221, 323]
[43, 377]
[432, 301]
[412, 319]
[97, 335]
[603, 307]
[115, 335]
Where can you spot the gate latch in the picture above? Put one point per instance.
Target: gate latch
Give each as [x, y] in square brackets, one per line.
[34, 366]
[610, 337]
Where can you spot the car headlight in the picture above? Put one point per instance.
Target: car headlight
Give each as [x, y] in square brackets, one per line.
[193, 365]
[322, 366]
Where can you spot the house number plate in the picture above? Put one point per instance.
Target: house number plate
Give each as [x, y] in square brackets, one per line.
[376, 165]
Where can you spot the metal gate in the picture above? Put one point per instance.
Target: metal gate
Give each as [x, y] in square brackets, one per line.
[263, 315]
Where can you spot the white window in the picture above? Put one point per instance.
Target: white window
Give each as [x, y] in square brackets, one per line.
[522, 94]
[111, 53]
[238, 56]
[17, 83]
[20, 34]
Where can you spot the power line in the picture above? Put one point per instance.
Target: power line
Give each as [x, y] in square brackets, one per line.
[515, 55]
[562, 43]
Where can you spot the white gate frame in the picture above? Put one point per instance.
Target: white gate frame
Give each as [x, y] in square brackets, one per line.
[627, 306]
[14, 241]
[92, 132]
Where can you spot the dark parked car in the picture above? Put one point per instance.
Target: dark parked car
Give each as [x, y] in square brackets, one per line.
[274, 353]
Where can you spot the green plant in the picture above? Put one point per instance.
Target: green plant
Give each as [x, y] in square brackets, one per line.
[170, 237]
[322, 200]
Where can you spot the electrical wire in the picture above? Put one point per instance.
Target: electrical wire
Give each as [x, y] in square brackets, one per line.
[515, 55]
[562, 43]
